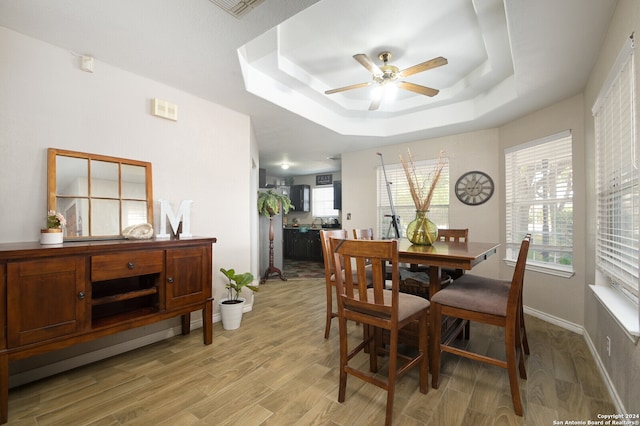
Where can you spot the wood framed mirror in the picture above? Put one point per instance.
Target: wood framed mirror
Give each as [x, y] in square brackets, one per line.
[98, 195]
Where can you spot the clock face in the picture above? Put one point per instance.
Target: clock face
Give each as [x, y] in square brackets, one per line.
[474, 188]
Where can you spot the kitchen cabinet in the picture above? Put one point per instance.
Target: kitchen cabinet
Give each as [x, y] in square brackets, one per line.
[301, 197]
[302, 245]
[337, 195]
[58, 296]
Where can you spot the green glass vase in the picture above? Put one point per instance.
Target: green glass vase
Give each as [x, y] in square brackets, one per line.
[421, 231]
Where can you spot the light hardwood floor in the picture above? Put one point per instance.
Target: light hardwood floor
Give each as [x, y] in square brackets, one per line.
[278, 370]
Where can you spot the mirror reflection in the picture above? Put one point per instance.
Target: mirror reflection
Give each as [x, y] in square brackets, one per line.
[98, 195]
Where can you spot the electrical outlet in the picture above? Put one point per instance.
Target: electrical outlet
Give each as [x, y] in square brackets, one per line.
[608, 346]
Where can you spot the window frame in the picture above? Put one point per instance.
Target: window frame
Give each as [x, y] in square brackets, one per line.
[315, 198]
[552, 234]
[617, 179]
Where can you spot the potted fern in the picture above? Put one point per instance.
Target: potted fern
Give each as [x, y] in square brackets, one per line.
[232, 306]
[270, 203]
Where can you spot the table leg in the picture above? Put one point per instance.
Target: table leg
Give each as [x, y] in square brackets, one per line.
[434, 287]
[186, 324]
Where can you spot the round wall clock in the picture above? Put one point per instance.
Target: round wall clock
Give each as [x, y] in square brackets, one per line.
[474, 188]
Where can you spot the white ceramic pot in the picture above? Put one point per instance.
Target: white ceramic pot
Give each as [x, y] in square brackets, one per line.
[51, 236]
[231, 314]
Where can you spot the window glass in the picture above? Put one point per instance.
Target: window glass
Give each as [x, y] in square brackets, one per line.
[322, 201]
[539, 200]
[618, 199]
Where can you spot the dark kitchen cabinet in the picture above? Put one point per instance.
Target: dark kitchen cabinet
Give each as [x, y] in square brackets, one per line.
[302, 245]
[301, 197]
[337, 195]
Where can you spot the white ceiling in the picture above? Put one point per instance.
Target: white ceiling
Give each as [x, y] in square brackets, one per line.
[506, 58]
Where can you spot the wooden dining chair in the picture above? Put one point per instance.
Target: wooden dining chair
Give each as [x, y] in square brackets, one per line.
[379, 310]
[330, 272]
[363, 234]
[489, 301]
[454, 236]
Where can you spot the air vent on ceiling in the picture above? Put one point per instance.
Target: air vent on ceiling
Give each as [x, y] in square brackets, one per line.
[237, 8]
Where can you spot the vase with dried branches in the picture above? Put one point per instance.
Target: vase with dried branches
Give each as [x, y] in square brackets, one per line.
[422, 231]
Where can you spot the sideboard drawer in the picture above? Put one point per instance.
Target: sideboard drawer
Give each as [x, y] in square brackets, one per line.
[128, 264]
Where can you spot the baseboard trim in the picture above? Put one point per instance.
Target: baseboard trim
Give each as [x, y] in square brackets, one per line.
[613, 393]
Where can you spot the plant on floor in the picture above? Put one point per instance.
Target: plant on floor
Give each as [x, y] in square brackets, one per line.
[270, 203]
[236, 283]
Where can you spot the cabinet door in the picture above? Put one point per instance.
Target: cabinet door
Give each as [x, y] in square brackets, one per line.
[188, 276]
[300, 197]
[45, 299]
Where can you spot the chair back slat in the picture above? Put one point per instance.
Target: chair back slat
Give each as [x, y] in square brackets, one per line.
[356, 255]
[329, 264]
[453, 235]
[363, 234]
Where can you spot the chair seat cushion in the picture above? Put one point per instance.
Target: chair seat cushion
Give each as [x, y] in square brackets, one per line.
[475, 293]
[408, 304]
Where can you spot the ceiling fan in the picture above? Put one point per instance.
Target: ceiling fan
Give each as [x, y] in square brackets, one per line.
[390, 74]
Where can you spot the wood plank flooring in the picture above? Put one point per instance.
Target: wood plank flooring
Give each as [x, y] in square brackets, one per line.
[278, 370]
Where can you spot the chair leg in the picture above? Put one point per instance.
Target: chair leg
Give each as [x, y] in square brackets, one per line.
[423, 344]
[512, 352]
[342, 323]
[436, 335]
[525, 341]
[327, 326]
[393, 369]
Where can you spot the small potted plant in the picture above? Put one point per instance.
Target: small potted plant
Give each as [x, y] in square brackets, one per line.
[52, 234]
[231, 307]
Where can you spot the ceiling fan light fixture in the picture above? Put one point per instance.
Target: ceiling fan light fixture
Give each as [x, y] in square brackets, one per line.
[237, 8]
[284, 166]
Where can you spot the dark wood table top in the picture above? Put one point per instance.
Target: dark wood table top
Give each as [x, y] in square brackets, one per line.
[446, 254]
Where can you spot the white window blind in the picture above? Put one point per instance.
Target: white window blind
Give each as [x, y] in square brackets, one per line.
[403, 203]
[618, 206]
[323, 202]
[539, 200]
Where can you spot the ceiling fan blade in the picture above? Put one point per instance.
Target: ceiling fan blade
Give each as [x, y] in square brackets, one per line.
[366, 62]
[433, 63]
[423, 90]
[375, 100]
[342, 89]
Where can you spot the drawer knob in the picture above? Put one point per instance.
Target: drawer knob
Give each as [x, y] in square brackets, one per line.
[81, 295]
[130, 265]
[170, 279]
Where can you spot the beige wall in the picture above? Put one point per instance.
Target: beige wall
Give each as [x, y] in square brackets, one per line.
[561, 298]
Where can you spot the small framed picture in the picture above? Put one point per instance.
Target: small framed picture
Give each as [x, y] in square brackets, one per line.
[324, 179]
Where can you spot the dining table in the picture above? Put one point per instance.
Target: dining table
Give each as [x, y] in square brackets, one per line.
[444, 254]
[441, 254]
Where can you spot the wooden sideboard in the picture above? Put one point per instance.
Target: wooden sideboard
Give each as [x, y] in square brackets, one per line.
[57, 296]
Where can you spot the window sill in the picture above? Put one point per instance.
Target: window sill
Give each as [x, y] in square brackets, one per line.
[623, 310]
[545, 269]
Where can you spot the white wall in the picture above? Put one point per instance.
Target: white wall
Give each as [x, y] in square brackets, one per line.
[46, 100]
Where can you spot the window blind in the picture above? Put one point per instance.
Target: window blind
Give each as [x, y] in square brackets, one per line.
[323, 202]
[402, 201]
[539, 200]
[618, 206]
